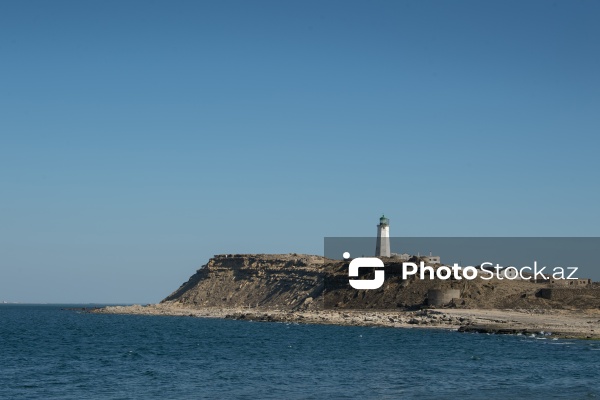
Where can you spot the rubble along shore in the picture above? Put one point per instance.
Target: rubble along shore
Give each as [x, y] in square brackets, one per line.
[578, 324]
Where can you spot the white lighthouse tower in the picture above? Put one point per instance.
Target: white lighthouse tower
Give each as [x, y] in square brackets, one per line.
[383, 238]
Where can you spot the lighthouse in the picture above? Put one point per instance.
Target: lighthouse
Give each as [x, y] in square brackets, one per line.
[383, 238]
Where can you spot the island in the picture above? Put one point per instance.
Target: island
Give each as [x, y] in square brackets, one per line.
[312, 289]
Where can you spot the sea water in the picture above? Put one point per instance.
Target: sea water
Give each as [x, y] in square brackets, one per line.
[49, 352]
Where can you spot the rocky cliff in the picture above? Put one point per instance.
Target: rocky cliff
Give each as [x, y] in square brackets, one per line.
[254, 280]
[299, 281]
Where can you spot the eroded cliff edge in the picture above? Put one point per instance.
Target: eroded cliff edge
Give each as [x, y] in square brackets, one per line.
[254, 280]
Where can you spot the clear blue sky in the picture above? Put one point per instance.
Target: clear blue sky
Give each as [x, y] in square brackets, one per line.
[138, 138]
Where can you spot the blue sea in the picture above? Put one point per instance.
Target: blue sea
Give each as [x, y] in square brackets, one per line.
[47, 352]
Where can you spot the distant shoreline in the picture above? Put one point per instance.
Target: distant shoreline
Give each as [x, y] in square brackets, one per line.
[572, 324]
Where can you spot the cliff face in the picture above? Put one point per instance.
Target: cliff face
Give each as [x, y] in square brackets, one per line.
[254, 280]
[296, 282]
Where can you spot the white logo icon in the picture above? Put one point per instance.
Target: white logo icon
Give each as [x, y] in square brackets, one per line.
[366, 262]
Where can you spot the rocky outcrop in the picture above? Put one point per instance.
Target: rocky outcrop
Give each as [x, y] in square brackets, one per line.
[308, 282]
[285, 281]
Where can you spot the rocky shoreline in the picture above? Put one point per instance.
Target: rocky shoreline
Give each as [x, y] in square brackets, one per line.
[580, 324]
[303, 288]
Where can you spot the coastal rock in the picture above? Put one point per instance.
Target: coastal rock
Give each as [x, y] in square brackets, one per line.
[307, 282]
